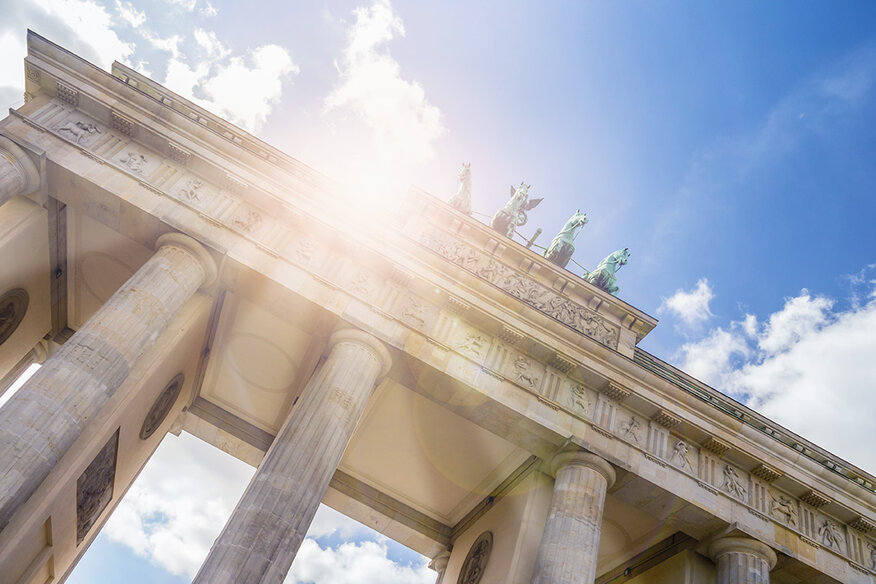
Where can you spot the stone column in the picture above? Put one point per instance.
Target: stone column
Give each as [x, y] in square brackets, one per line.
[268, 525]
[18, 173]
[439, 564]
[742, 560]
[570, 542]
[46, 416]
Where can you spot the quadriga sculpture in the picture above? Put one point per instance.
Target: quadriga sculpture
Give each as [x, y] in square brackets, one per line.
[604, 274]
[461, 201]
[513, 214]
[562, 247]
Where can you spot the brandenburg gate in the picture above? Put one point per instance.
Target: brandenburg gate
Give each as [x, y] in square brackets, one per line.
[427, 376]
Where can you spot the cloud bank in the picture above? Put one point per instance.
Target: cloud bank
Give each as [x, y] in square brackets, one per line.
[809, 366]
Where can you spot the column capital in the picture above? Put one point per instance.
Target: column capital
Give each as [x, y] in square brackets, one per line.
[193, 247]
[742, 545]
[27, 170]
[439, 562]
[585, 459]
[377, 348]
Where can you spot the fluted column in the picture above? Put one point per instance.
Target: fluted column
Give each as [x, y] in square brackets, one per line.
[742, 560]
[18, 173]
[46, 416]
[268, 525]
[570, 542]
[439, 564]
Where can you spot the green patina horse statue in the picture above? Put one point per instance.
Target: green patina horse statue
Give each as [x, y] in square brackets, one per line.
[604, 274]
[562, 247]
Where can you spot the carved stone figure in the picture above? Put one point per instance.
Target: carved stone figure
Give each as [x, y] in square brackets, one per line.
[415, 312]
[604, 274]
[570, 313]
[134, 161]
[831, 535]
[562, 247]
[785, 508]
[472, 343]
[190, 192]
[524, 373]
[578, 399]
[872, 555]
[513, 214]
[461, 201]
[476, 560]
[247, 220]
[631, 430]
[732, 483]
[78, 131]
[679, 456]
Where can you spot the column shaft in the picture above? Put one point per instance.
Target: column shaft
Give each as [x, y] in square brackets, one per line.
[43, 420]
[18, 174]
[570, 542]
[742, 560]
[266, 529]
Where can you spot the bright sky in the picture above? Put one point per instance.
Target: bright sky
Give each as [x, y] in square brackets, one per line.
[731, 147]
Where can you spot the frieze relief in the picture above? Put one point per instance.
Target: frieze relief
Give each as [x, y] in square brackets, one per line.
[631, 429]
[540, 297]
[682, 456]
[79, 131]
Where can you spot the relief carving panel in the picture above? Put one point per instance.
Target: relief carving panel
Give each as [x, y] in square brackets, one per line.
[540, 297]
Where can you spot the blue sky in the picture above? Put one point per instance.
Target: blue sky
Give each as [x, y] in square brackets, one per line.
[731, 146]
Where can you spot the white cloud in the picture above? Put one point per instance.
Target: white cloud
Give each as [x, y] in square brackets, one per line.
[129, 14]
[353, 563]
[188, 5]
[208, 10]
[179, 504]
[810, 367]
[208, 41]
[83, 26]
[397, 125]
[691, 307]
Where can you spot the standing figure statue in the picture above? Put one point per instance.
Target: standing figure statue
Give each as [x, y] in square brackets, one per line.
[562, 247]
[513, 214]
[461, 201]
[604, 274]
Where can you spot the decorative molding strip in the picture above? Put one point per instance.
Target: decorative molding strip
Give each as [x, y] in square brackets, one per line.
[235, 186]
[456, 305]
[716, 446]
[561, 362]
[510, 335]
[666, 419]
[758, 514]
[615, 391]
[707, 487]
[814, 498]
[655, 460]
[863, 525]
[610, 436]
[92, 156]
[548, 403]
[121, 123]
[809, 541]
[859, 568]
[523, 287]
[178, 154]
[67, 94]
[767, 473]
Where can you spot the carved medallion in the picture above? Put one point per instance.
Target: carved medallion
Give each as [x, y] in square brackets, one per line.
[13, 306]
[476, 560]
[94, 489]
[161, 407]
